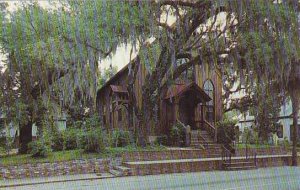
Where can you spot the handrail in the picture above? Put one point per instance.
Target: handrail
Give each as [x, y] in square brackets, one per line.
[205, 143]
[211, 129]
[226, 155]
[229, 146]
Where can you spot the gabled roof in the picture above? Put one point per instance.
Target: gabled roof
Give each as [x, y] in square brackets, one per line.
[179, 89]
[118, 89]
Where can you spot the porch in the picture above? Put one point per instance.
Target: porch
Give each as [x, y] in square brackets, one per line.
[192, 106]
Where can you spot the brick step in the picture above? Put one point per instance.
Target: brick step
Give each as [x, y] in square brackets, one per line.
[122, 170]
[232, 168]
[238, 164]
[116, 173]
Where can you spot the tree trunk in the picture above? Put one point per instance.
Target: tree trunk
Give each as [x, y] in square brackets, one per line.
[25, 137]
[294, 92]
[295, 105]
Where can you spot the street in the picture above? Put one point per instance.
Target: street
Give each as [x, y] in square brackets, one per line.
[283, 178]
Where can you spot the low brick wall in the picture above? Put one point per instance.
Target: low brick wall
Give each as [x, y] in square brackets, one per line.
[193, 153]
[54, 169]
[165, 155]
[198, 166]
[262, 151]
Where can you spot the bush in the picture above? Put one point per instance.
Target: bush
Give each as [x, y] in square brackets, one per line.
[250, 137]
[227, 131]
[40, 148]
[70, 138]
[92, 140]
[120, 138]
[57, 140]
[6, 144]
[162, 140]
[177, 134]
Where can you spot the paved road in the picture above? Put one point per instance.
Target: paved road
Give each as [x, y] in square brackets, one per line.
[284, 178]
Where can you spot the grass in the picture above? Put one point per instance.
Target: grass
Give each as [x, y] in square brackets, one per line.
[240, 146]
[72, 155]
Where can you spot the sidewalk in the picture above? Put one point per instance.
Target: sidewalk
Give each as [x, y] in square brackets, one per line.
[54, 179]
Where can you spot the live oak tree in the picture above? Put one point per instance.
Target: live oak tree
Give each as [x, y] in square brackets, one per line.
[267, 49]
[54, 54]
[57, 51]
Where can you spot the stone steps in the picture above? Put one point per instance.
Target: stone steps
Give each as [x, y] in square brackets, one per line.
[199, 137]
[119, 171]
[243, 164]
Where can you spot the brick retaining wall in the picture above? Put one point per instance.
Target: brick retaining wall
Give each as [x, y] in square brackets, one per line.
[139, 169]
[192, 153]
[54, 169]
[262, 151]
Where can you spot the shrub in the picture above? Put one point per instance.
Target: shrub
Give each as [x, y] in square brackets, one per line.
[40, 148]
[227, 131]
[285, 143]
[57, 140]
[121, 138]
[250, 137]
[177, 134]
[93, 140]
[162, 140]
[70, 138]
[92, 122]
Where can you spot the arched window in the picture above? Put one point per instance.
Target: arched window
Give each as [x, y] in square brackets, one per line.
[209, 90]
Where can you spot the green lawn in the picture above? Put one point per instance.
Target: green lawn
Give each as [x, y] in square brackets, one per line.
[239, 146]
[71, 155]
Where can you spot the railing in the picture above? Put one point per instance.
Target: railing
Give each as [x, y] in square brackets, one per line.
[226, 156]
[210, 129]
[231, 146]
[203, 140]
[251, 156]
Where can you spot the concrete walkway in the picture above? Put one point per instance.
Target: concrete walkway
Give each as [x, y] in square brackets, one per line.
[55, 179]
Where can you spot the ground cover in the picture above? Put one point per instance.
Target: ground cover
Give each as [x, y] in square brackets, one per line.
[67, 155]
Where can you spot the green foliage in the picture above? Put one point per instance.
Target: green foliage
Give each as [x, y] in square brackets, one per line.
[91, 122]
[177, 134]
[71, 138]
[106, 74]
[227, 131]
[40, 148]
[93, 140]
[286, 143]
[120, 138]
[162, 140]
[249, 136]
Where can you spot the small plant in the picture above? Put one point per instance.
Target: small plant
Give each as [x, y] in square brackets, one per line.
[162, 140]
[9, 143]
[40, 148]
[120, 138]
[57, 140]
[93, 140]
[286, 143]
[70, 138]
[227, 131]
[177, 134]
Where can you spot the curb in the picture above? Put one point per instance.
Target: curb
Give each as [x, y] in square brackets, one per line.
[56, 181]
